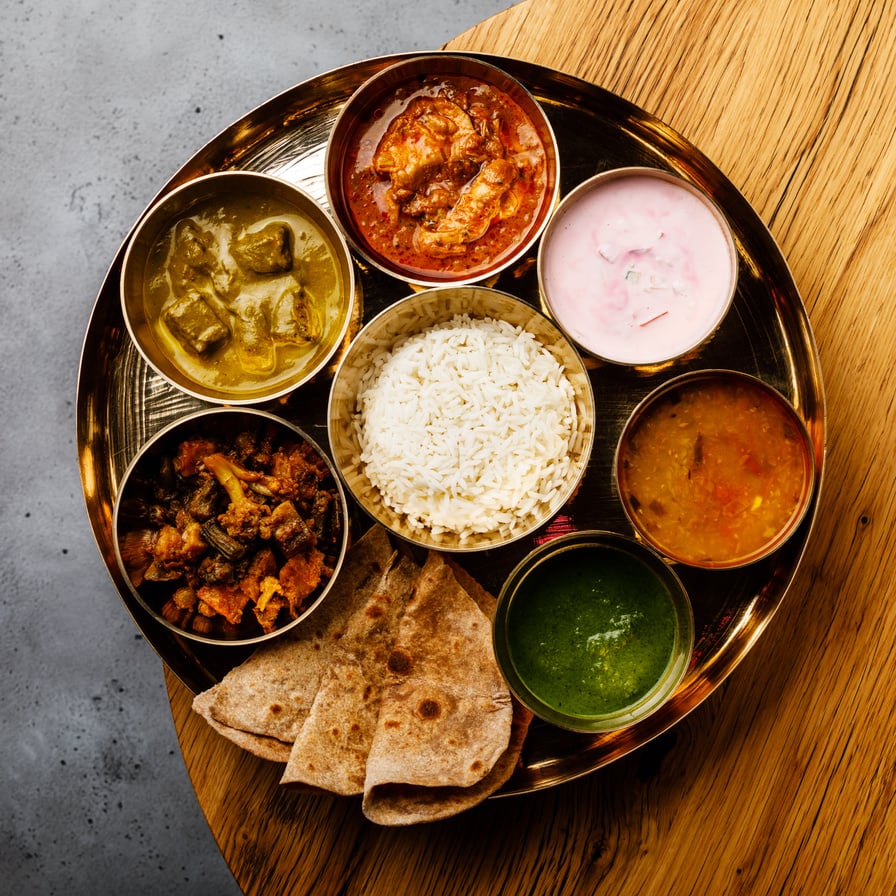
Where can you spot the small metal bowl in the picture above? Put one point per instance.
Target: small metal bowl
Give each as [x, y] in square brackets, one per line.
[715, 469]
[638, 266]
[158, 493]
[593, 631]
[212, 336]
[412, 316]
[359, 130]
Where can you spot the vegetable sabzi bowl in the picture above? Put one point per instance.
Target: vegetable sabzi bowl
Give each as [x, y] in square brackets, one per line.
[461, 418]
[442, 169]
[237, 287]
[230, 526]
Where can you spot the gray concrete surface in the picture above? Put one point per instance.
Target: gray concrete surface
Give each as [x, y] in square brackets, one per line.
[100, 102]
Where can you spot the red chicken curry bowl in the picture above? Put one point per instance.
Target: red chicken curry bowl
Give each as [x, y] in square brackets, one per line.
[715, 469]
[230, 526]
[442, 170]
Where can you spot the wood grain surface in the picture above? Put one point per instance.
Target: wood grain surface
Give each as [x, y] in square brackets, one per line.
[784, 780]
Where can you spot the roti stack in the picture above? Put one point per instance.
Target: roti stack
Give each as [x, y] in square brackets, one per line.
[389, 690]
[262, 704]
[446, 715]
[330, 751]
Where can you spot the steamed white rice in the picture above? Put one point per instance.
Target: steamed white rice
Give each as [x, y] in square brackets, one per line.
[466, 427]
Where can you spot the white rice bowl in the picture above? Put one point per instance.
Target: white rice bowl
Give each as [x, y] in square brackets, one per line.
[466, 426]
[461, 418]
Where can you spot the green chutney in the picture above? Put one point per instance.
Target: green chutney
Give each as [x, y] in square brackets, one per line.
[591, 630]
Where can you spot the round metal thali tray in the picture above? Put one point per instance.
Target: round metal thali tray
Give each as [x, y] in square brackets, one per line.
[121, 402]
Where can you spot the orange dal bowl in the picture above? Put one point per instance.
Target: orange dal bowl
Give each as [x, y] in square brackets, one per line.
[715, 469]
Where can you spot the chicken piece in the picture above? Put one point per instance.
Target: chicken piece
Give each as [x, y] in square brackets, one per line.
[252, 336]
[194, 323]
[265, 251]
[430, 132]
[198, 262]
[431, 202]
[192, 258]
[488, 198]
[294, 317]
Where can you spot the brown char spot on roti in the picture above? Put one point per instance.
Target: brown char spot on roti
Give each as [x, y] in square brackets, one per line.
[429, 709]
[399, 662]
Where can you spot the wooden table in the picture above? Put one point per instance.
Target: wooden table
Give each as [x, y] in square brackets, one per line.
[784, 780]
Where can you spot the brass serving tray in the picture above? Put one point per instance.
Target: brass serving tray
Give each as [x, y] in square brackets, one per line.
[121, 402]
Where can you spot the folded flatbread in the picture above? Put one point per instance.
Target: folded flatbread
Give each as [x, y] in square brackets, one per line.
[262, 704]
[330, 752]
[389, 689]
[445, 736]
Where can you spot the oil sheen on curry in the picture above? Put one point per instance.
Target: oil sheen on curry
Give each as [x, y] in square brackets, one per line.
[243, 292]
[716, 472]
[445, 176]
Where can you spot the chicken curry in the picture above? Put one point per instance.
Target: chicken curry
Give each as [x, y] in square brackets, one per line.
[445, 176]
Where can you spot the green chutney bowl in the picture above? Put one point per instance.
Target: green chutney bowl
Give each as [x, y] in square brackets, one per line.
[593, 631]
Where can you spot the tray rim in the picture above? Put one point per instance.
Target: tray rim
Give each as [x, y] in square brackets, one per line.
[230, 150]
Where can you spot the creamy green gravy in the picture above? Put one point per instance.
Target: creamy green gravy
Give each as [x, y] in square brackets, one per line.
[251, 355]
[591, 631]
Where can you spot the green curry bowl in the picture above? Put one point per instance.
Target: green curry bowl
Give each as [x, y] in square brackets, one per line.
[594, 632]
[237, 287]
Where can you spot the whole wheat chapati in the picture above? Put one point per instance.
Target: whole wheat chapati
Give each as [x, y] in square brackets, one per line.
[394, 691]
[330, 752]
[263, 703]
[396, 804]
[446, 716]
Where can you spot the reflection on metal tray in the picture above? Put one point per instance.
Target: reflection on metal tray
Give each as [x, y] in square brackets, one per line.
[121, 402]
